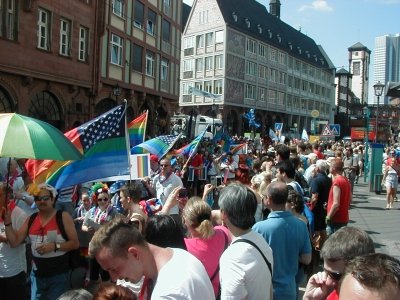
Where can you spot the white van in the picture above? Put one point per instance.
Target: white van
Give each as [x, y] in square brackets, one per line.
[198, 125]
[202, 122]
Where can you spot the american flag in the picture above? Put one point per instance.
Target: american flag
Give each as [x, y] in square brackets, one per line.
[158, 146]
[106, 126]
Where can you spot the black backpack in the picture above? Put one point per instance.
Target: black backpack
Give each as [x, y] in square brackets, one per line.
[75, 259]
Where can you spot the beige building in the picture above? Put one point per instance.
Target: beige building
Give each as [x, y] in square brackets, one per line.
[252, 59]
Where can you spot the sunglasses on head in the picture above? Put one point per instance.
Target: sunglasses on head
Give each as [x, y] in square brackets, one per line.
[164, 165]
[102, 199]
[43, 198]
[334, 275]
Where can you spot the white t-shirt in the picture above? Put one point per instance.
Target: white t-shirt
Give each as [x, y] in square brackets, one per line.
[183, 277]
[165, 187]
[243, 271]
[12, 260]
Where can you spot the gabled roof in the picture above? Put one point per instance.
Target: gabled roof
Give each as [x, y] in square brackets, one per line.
[343, 72]
[359, 47]
[185, 14]
[273, 30]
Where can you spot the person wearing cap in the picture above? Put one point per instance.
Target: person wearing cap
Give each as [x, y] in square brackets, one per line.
[101, 213]
[154, 166]
[50, 266]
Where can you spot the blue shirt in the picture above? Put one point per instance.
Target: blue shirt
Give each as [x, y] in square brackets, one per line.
[289, 238]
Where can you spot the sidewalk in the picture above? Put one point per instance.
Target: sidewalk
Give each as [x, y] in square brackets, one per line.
[368, 213]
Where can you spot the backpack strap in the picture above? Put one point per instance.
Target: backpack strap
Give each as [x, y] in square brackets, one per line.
[255, 246]
[225, 246]
[31, 219]
[60, 224]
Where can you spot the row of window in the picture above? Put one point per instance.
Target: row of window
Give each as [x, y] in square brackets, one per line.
[259, 94]
[309, 87]
[116, 55]
[118, 7]
[207, 63]
[210, 86]
[201, 40]
[261, 50]
[44, 37]
[296, 102]
[139, 21]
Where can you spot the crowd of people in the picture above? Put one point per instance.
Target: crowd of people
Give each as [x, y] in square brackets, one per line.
[254, 223]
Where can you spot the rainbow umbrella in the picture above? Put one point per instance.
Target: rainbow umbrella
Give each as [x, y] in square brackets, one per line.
[25, 137]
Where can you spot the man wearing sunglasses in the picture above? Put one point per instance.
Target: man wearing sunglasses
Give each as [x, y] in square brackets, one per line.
[164, 183]
[339, 248]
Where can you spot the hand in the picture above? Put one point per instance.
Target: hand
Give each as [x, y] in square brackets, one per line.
[207, 189]
[45, 248]
[171, 200]
[316, 288]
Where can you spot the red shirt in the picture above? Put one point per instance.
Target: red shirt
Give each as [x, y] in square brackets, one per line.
[333, 296]
[319, 154]
[196, 162]
[342, 214]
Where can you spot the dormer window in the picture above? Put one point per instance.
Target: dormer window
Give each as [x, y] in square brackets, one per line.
[290, 46]
[308, 54]
[247, 22]
[259, 29]
[279, 38]
[269, 33]
[315, 58]
[234, 16]
[299, 49]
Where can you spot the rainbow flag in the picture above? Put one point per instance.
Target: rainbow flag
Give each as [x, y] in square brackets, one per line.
[142, 163]
[236, 148]
[137, 129]
[103, 144]
[190, 149]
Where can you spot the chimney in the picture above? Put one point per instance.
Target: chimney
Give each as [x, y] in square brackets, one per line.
[275, 8]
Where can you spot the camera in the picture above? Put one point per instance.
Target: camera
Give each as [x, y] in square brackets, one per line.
[216, 181]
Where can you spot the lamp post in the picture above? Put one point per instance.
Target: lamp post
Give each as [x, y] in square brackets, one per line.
[116, 91]
[366, 156]
[378, 88]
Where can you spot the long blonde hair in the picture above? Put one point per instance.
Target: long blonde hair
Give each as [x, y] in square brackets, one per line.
[197, 215]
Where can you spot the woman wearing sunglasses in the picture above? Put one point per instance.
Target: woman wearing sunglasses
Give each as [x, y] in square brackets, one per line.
[101, 213]
[50, 259]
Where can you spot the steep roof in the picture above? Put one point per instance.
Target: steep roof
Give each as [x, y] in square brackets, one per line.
[273, 30]
[185, 14]
[359, 47]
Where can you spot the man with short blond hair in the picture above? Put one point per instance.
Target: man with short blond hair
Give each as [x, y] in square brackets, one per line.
[122, 251]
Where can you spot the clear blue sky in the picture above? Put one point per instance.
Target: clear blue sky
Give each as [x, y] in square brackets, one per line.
[339, 24]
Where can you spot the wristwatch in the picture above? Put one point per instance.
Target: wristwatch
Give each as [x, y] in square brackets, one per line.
[58, 246]
[24, 198]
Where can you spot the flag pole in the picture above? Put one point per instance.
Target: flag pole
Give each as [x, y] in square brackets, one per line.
[127, 142]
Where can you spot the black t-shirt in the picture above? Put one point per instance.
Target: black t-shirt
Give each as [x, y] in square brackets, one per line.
[321, 185]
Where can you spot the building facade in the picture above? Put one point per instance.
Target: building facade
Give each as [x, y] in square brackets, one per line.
[252, 59]
[66, 62]
[387, 61]
[46, 60]
[359, 60]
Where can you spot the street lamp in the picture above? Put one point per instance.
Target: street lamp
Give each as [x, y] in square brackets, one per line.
[378, 88]
[116, 91]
